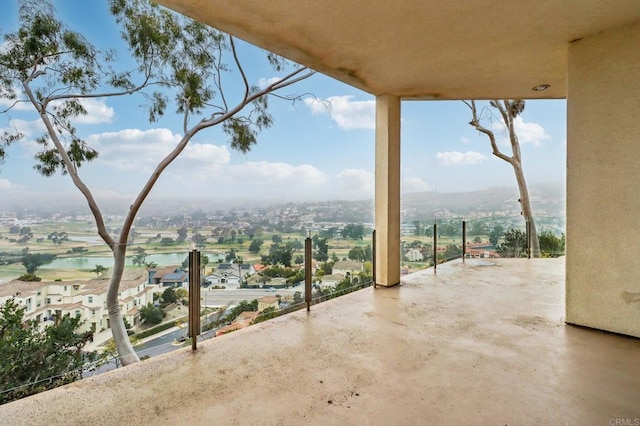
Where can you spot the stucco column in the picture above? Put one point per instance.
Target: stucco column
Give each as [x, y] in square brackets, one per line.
[603, 181]
[387, 202]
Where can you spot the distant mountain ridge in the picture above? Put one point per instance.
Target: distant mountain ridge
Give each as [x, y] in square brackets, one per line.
[546, 199]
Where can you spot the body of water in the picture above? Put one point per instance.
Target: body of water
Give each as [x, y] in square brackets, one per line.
[164, 259]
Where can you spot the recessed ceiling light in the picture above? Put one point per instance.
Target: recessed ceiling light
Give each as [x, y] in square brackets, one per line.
[541, 87]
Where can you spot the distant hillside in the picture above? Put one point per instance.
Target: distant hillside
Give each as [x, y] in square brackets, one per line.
[546, 200]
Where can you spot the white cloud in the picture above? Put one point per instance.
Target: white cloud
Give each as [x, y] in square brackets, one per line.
[264, 82]
[15, 106]
[355, 183]
[6, 184]
[25, 127]
[348, 114]
[97, 112]
[530, 132]
[456, 158]
[414, 185]
[267, 174]
[142, 150]
[465, 140]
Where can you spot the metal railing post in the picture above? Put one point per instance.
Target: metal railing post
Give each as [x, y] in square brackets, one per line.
[307, 272]
[464, 240]
[435, 247]
[194, 297]
[373, 258]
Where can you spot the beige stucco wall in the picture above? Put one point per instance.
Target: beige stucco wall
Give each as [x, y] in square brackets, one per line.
[387, 201]
[603, 181]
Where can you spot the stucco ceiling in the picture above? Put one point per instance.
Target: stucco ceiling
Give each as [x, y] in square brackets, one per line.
[422, 49]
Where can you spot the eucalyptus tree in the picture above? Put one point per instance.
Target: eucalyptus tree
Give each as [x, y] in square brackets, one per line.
[179, 64]
[509, 110]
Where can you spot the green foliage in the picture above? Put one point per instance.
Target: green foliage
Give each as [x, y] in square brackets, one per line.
[141, 256]
[182, 295]
[155, 330]
[231, 255]
[550, 245]
[33, 261]
[479, 228]
[496, 233]
[151, 315]
[35, 360]
[450, 229]
[514, 244]
[278, 254]
[355, 232]
[29, 277]
[452, 252]
[44, 50]
[99, 270]
[266, 314]
[166, 241]
[255, 245]
[182, 235]
[322, 248]
[361, 254]
[199, 240]
[169, 296]
[240, 308]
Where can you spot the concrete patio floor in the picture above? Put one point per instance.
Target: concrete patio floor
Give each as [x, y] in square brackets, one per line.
[479, 343]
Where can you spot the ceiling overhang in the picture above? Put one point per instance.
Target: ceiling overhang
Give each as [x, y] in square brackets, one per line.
[422, 49]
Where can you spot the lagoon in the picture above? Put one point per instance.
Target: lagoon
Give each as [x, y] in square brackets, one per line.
[90, 262]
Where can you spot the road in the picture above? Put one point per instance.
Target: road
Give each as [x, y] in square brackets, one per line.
[154, 347]
[163, 344]
[235, 296]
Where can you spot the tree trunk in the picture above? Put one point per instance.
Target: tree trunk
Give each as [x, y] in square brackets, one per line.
[525, 204]
[509, 110]
[126, 354]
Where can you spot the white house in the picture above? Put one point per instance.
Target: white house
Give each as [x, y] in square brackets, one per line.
[414, 255]
[230, 274]
[331, 280]
[345, 267]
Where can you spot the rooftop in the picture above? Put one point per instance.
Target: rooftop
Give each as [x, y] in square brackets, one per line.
[482, 342]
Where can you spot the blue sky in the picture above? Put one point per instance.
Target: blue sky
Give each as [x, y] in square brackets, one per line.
[312, 152]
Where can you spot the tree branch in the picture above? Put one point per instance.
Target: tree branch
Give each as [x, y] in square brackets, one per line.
[78, 182]
[239, 65]
[475, 122]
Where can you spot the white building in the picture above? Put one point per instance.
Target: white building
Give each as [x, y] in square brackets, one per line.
[345, 267]
[87, 299]
[414, 255]
[230, 274]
